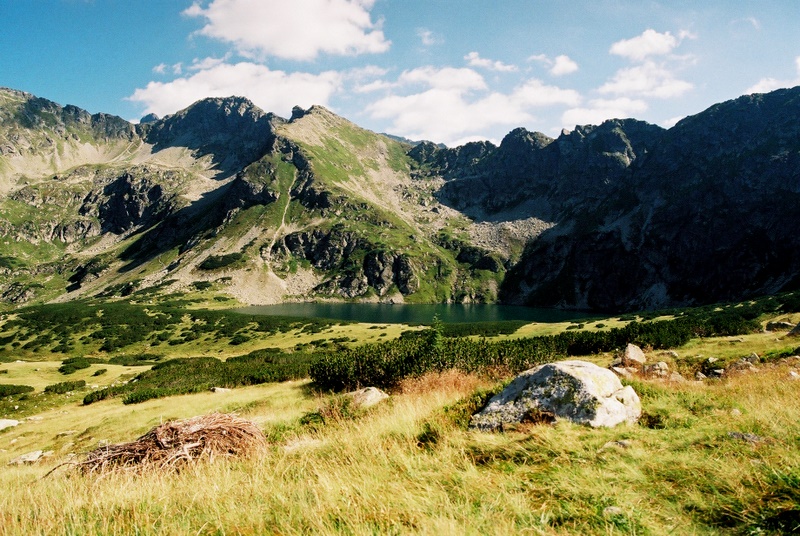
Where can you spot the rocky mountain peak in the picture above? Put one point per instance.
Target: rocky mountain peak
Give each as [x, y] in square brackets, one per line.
[232, 129]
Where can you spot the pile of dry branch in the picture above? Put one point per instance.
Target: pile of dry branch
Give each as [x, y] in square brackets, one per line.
[174, 443]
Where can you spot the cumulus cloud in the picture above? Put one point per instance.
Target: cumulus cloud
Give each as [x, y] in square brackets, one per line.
[273, 91]
[296, 30]
[161, 68]
[599, 110]
[558, 66]
[650, 43]
[646, 80]
[474, 60]
[563, 65]
[766, 85]
[455, 105]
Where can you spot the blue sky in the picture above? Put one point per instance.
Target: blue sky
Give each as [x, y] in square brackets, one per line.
[444, 70]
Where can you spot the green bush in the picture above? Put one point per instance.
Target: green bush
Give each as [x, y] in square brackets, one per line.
[68, 366]
[215, 262]
[196, 374]
[64, 387]
[9, 390]
[385, 365]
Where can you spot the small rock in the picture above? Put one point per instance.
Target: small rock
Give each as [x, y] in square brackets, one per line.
[753, 358]
[30, 458]
[746, 436]
[711, 360]
[621, 372]
[673, 354]
[794, 375]
[633, 356]
[367, 397]
[66, 433]
[7, 423]
[699, 376]
[717, 373]
[735, 412]
[660, 369]
[610, 511]
[676, 377]
[219, 390]
[620, 444]
[34, 418]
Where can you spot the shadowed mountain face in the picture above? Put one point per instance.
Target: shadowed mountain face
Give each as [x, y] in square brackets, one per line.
[224, 197]
[648, 217]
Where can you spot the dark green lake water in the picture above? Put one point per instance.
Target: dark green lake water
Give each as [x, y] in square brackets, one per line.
[413, 314]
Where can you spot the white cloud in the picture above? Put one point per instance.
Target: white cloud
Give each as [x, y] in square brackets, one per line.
[273, 91]
[646, 80]
[600, 110]
[206, 63]
[559, 66]
[535, 93]
[428, 38]
[454, 105]
[161, 68]
[474, 60]
[296, 30]
[650, 43]
[449, 78]
[563, 65]
[766, 85]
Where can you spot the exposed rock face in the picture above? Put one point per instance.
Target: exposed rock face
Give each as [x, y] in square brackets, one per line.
[626, 215]
[574, 390]
[232, 130]
[339, 251]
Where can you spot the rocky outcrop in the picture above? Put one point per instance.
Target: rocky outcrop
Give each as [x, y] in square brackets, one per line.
[232, 130]
[360, 265]
[577, 391]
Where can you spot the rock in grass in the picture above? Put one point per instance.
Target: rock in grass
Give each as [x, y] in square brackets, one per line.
[633, 356]
[577, 391]
[31, 457]
[367, 397]
[7, 423]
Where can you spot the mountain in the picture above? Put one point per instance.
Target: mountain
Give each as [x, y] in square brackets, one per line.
[223, 199]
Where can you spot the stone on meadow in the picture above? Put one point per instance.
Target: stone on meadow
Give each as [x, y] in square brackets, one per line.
[576, 391]
[367, 397]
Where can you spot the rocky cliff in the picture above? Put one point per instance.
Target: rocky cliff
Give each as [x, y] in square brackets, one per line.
[224, 199]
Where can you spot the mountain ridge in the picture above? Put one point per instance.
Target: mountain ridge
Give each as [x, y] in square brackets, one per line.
[225, 199]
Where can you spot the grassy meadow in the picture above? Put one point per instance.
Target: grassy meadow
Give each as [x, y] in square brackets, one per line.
[713, 457]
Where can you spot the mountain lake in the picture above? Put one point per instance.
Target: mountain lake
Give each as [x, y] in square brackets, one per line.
[382, 313]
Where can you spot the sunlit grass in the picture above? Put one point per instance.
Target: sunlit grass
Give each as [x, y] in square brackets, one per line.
[371, 474]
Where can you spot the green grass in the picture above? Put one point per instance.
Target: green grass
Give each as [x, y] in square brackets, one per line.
[407, 466]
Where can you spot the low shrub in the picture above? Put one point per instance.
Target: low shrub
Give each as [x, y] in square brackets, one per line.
[68, 366]
[10, 389]
[64, 387]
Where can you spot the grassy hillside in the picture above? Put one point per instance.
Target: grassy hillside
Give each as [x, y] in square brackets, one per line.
[712, 457]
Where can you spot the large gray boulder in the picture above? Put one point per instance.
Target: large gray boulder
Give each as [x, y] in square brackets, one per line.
[577, 391]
